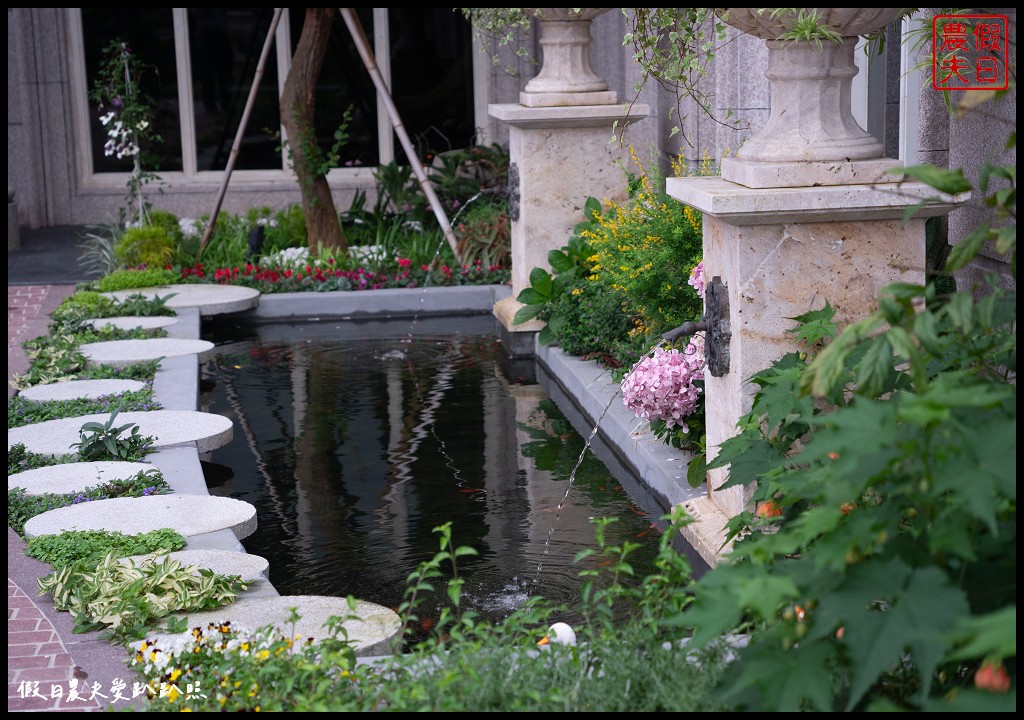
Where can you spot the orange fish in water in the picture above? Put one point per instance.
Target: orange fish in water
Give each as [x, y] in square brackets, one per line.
[471, 490]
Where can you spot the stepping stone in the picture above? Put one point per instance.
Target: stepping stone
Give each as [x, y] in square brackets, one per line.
[209, 299]
[167, 427]
[222, 562]
[372, 629]
[74, 477]
[135, 322]
[188, 514]
[80, 389]
[121, 353]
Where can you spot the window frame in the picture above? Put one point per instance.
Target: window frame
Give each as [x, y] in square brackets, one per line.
[190, 174]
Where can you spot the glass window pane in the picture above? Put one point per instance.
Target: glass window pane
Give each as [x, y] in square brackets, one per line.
[226, 44]
[149, 33]
[344, 83]
[432, 78]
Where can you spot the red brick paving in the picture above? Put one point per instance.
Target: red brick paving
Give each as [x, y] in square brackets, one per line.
[39, 667]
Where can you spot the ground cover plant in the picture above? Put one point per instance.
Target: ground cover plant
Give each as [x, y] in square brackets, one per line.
[86, 548]
[464, 663]
[22, 507]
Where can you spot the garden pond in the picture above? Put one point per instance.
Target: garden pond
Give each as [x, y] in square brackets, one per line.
[356, 439]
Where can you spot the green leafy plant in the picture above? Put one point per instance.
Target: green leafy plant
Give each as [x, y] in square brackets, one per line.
[150, 246]
[87, 548]
[103, 441]
[132, 279]
[97, 242]
[874, 570]
[23, 412]
[123, 598]
[635, 664]
[569, 264]
[19, 459]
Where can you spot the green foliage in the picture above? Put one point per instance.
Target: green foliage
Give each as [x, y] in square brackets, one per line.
[103, 441]
[21, 506]
[133, 279]
[618, 666]
[569, 265]
[19, 459]
[123, 599]
[24, 412]
[50, 358]
[86, 548]
[96, 247]
[888, 578]
[149, 246]
[317, 162]
[674, 47]
[484, 235]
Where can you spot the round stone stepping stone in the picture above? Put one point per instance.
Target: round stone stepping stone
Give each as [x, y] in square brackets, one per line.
[188, 514]
[74, 477]
[80, 389]
[135, 322]
[372, 629]
[167, 427]
[121, 353]
[222, 562]
[209, 299]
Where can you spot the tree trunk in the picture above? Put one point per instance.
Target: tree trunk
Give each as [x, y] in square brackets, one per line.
[297, 116]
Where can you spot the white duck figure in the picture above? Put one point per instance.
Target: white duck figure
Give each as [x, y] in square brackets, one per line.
[559, 634]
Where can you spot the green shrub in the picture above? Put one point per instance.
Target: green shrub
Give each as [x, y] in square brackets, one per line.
[86, 548]
[167, 221]
[103, 441]
[123, 599]
[150, 246]
[132, 279]
[619, 666]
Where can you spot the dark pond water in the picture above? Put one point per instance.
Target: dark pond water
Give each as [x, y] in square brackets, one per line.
[355, 440]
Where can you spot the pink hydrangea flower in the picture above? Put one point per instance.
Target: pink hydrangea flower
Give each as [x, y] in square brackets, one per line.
[696, 280]
[661, 386]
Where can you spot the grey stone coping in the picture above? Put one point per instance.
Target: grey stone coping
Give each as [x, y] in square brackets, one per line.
[135, 322]
[371, 627]
[378, 304]
[121, 353]
[80, 389]
[74, 477]
[208, 298]
[167, 427]
[222, 562]
[188, 514]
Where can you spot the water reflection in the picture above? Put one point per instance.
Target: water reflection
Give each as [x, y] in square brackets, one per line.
[354, 447]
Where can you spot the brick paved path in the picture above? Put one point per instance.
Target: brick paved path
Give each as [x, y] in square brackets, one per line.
[35, 651]
[38, 664]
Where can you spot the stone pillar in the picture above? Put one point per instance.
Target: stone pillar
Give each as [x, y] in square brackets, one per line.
[562, 150]
[559, 156]
[782, 252]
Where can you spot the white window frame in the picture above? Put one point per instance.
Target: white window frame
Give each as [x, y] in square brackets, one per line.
[190, 174]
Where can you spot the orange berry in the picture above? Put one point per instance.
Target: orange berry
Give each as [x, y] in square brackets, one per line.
[992, 677]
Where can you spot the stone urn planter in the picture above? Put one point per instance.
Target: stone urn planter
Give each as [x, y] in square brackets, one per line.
[811, 117]
[565, 77]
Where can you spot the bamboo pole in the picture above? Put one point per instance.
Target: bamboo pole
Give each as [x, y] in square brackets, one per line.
[250, 101]
[355, 28]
